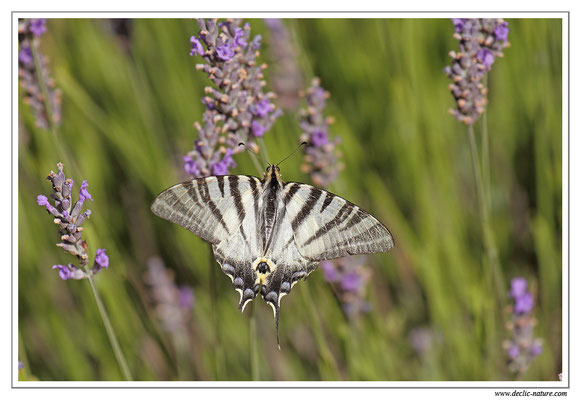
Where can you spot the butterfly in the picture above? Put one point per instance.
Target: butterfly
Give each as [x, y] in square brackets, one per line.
[268, 234]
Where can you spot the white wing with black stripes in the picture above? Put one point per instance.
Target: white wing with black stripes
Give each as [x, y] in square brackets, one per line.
[266, 234]
[326, 226]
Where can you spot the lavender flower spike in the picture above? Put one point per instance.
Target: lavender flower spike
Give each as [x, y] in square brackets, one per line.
[237, 109]
[481, 41]
[69, 216]
[348, 277]
[522, 348]
[322, 157]
[287, 78]
[38, 87]
[172, 304]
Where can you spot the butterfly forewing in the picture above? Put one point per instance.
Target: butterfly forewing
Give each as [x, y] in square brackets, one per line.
[326, 226]
[207, 207]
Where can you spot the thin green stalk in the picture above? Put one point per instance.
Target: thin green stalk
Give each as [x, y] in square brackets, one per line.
[253, 344]
[109, 328]
[486, 154]
[263, 147]
[324, 351]
[489, 241]
[181, 344]
[215, 321]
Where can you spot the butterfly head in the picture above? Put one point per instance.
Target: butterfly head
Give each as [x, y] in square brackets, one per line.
[272, 174]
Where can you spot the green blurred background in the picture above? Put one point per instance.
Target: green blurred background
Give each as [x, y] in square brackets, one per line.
[128, 108]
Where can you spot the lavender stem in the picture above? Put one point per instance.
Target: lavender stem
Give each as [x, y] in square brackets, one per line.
[489, 243]
[109, 328]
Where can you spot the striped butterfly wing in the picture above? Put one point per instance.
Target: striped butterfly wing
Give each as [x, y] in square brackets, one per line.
[326, 226]
[209, 207]
[223, 210]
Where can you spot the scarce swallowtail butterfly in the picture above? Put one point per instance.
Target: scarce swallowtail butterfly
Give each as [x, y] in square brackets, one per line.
[267, 234]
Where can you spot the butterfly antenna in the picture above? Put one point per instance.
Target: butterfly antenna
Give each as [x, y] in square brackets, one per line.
[297, 149]
[252, 152]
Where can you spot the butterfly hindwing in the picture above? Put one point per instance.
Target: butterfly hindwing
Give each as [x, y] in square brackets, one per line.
[326, 226]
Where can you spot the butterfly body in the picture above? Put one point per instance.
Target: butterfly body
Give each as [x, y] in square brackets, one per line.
[267, 234]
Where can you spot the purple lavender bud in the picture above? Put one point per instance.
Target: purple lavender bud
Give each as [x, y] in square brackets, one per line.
[25, 56]
[83, 193]
[261, 109]
[239, 40]
[458, 24]
[513, 351]
[255, 45]
[186, 297]
[190, 166]
[319, 138]
[485, 57]
[224, 51]
[524, 304]
[20, 365]
[501, 31]
[38, 26]
[101, 259]
[42, 201]
[518, 287]
[64, 271]
[351, 282]
[257, 129]
[196, 46]
[221, 168]
[329, 271]
[536, 349]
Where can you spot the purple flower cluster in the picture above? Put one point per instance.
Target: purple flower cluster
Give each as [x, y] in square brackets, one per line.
[34, 75]
[69, 217]
[322, 157]
[522, 348]
[237, 110]
[481, 41]
[348, 277]
[286, 77]
[172, 304]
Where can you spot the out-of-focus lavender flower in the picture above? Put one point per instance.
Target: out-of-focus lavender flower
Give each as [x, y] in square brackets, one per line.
[37, 26]
[481, 41]
[20, 365]
[322, 157]
[348, 277]
[286, 77]
[237, 110]
[523, 304]
[38, 88]
[69, 216]
[25, 56]
[518, 287]
[522, 348]
[424, 339]
[173, 305]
